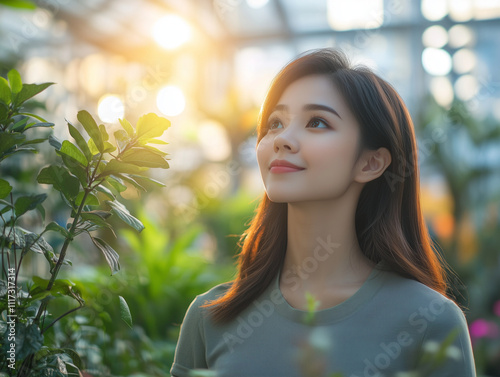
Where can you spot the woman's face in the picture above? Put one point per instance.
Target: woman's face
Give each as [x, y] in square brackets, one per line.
[311, 127]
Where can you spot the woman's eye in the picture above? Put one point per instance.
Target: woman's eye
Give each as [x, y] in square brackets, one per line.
[274, 124]
[317, 122]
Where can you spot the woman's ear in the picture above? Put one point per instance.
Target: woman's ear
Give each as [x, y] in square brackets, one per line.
[372, 164]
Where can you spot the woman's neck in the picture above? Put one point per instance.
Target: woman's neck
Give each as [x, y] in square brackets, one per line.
[322, 247]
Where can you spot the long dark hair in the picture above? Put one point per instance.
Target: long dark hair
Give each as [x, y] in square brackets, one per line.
[389, 221]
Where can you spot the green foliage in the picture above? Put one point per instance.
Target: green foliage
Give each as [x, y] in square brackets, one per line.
[312, 307]
[22, 4]
[162, 274]
[86, 171]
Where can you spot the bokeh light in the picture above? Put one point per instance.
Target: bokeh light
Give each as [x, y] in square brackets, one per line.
[464, 61]
[171, 100]
[214, 141]
[256, 4]
[436, 62]
[361, 14]
[442, 90]
[434, 10]
[461, 10]
[171, 31]
[466, 87]
[110, 108]
[435, 36]
[459, 36]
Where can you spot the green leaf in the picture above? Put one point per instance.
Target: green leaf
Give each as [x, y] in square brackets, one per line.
[151, 126]
[152, 141]
[34, 141]
[60, 286]
[95, 218]
[141, 178]
[108, 147]
[116, 183]
[125, 312]
[109, 253]
[98, 212]
[8, 140]
[38, 244]
[155, 150]
[80, 141]
[75, 357]
[19, 124]
[43, 120]
[92, 147]
[21, 4]
[15, 81]
[90, 201]
[43, 124]
[61, 179]
[132, 181]
[41, 210]
[121, 138]
[75, 168]
[144, 158]
[4, 111]
[5, 188]
[18, 150]
[5, 94]
[30, 339]
[24, 204]
[126, 126]
[125, 215]
[91, 127]
[115, 166]
[55, 142]
[55, 227]
[30, 90]
[106, 191]
[104, 133]
[72, 151]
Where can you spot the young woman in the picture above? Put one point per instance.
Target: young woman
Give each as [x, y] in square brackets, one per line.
[337, 273]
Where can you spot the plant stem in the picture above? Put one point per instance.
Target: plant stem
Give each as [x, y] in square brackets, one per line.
[67, 241]
[61, 316]
[62, 255]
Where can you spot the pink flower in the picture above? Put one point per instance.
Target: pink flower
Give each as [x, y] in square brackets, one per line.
[482, 328]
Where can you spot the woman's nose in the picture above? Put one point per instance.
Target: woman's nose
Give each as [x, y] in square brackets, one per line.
[286, 140]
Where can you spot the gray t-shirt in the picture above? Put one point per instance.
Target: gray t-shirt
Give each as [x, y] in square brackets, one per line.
[390, 325]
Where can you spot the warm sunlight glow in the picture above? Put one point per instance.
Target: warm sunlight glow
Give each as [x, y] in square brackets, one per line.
[214, 141]
[360, 14]
[436, 61]
[110, 108]
[170, 100]
[171, 31]
[256, 4]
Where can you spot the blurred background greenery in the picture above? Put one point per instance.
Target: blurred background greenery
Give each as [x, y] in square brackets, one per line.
[205, 65]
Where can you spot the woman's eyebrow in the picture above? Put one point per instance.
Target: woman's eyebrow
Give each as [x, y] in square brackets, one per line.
[308, 107]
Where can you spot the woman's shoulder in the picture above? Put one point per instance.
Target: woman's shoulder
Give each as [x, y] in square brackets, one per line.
[210, 295]
[416, 297]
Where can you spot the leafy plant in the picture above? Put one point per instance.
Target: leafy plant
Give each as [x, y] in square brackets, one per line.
[90, 176]
[162, 275]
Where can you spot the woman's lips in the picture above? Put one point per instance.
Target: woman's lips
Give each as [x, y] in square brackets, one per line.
[284, 169]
